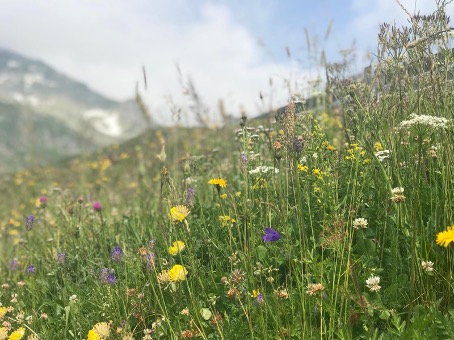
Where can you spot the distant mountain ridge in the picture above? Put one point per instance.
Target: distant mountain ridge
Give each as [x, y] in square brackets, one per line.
[45, 115]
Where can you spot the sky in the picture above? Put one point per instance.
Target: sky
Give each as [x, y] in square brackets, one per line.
[229, 49]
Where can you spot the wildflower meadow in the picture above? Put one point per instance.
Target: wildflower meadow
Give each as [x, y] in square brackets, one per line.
[334, 222]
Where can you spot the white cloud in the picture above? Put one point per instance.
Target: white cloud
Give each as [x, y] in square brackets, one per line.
[105, 44]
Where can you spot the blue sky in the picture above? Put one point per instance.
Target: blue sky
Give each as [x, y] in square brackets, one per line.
[230, 48]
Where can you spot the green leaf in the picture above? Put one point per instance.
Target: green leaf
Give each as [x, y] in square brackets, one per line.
[261, 252]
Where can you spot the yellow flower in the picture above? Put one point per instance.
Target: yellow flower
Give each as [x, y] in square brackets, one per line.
[177, 247]
[226, 220]
[318, 173]
[92, 335]
[302, 168]
[220, 182]
[3, 311]
[238, 194]
[3, 333]
[102, 329]
[255, 292]
[331, 148]
[179, 213]
[177, 273]
[17, 334]
[223, 196]
[444, 238]
[378, 147]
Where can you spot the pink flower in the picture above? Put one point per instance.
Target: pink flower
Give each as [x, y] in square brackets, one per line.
[97, 206]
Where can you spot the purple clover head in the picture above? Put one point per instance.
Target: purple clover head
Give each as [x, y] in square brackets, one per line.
[29, 221]
[43, 201]
[31, 269]
[13, 265]
[117, 253]
[271, 235]
[97, 206]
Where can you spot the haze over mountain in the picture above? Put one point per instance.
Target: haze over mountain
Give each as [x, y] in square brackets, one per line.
[46, 116]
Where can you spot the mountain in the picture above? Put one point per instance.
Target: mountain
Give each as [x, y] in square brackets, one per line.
[46, 116]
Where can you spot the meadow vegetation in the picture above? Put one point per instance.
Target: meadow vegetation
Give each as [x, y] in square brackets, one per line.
[328, 224]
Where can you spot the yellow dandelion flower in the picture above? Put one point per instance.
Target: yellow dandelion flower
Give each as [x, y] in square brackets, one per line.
[223, 196]
[220, 182]
[177, 273]
[255, 292]
[444, 238]
[3, 333]
[92, 335]
[331, 148]
[102, 329]
[177, 247]
[17, 334]
[179, 213]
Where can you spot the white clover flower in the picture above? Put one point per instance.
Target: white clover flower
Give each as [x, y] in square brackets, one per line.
[424, 120]
[372, 283]
[360, 223]
[428, 266]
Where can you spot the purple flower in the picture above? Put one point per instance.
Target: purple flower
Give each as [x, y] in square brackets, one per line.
[31, 269]
[111, 278]
[151, 261]
[190, 197]
[43, 201]
[97, 206]
[29, 221]
[271, 235]
[61, 258]
[297, 144]
[107, 276]
[260, 300]
[13, 265]
[117, 254]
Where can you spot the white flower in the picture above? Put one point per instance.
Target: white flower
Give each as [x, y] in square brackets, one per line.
[424, 120]
[303, 160]
[428, 266]
[397, 191]
[263, 169]
[372, 283]
[382, 155]
[360, 223]
[315, 155]
[73, 299]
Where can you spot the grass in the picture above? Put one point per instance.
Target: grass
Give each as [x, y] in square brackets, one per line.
[167, 236]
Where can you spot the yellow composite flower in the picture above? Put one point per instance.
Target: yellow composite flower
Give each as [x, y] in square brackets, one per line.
[3, 333]
[302, 168]
[17, 334]
[177, 273]
[92, 335]
[3, 311]
[255, 292]
[444, 238]
[226, 220]
[102, 329]
[177, 247]
[179, 213]
[220, 182]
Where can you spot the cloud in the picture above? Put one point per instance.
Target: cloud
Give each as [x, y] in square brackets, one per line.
[105, 45]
